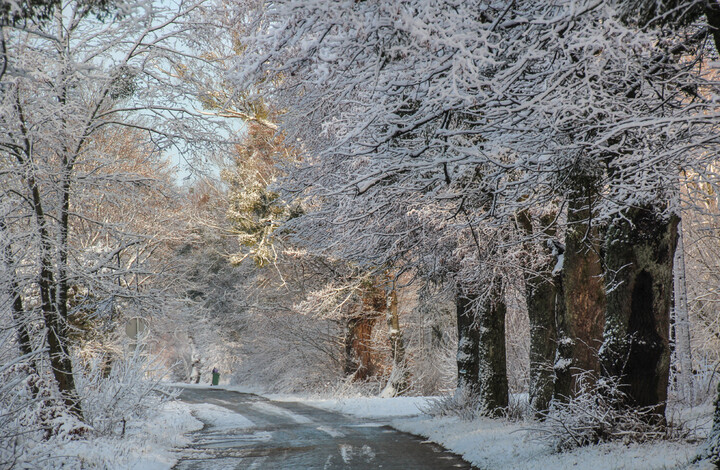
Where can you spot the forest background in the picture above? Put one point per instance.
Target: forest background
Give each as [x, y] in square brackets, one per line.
[509, 204]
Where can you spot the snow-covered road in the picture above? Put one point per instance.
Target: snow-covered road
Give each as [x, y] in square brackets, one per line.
[246, 431]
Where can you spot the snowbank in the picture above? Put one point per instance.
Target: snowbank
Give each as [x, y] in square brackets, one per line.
[367, 407]
[147, 445]
[220, 418]
[504, 445]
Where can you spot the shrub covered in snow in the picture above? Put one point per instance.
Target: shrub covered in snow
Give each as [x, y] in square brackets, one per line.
[461, 405]
[128, 392]
[35, 424]
[466, 407]
[598, 413]
[32, 417]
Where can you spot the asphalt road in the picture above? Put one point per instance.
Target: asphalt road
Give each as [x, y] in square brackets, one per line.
[298, 437]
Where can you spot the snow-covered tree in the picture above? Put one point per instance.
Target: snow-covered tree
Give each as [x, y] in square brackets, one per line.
[566, 103]
[69, 81]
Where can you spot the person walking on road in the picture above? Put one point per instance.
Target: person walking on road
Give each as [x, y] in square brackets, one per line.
[215, 376]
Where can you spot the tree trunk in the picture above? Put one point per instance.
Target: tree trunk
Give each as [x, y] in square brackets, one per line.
[55, 322]
[468, 344]
[481, 358]
[361, 361]
[639, 262]
[713, 439]
[18, 310]
[492, 368]
[195, 361]
[542, 295]
[58, 341]
[398, 382]
[359, 356]
[683, 351]
[712, 14]
[542, 286]
[580, 326]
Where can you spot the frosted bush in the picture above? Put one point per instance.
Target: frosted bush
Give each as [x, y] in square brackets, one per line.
[32, 418]
[466, 407]
[461, 405]
[598, 413]
[131, 389]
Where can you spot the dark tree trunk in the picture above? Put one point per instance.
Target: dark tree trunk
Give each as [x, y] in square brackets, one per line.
[57, 339]
[359, 355]
[580, 326]
[468, 344]
[481, 358]
[18, 314]
[713, 440]
[639, 259]
[54, 315]
[543, 294]
[53, 257]
[712, 14]
[492, 368]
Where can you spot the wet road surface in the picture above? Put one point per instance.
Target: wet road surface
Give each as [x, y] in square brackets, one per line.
[294, 436]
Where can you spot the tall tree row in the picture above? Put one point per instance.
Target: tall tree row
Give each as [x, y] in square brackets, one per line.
[414, 112]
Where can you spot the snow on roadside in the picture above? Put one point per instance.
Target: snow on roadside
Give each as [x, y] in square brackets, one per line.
[504, 445]
[147, 445]
[220, 418]
[500, 444]
[151, 444]
[367, 407]
[360, 406]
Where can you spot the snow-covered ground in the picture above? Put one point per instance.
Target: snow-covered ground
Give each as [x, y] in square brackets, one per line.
[503, 445]
[147, 445]
[151, 445]
[366, 407]
[499, 444]
[486, 443]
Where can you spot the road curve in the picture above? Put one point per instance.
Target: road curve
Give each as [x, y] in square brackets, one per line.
[285, 436]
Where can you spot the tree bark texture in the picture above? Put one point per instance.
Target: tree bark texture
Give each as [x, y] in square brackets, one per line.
[468, 344]
[18, 310]
[543, 294]
[361, 361]
[683, 350]
[493, 391]
[580, 326]
[54, 315]
[398, 383]
[359, 355]
[481, 357]
[713, 440]
[712, 14]
[639, 261]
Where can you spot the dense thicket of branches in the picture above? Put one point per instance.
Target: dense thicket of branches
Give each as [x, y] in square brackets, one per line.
[428, 128]
[88, 102]
[506, 157]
